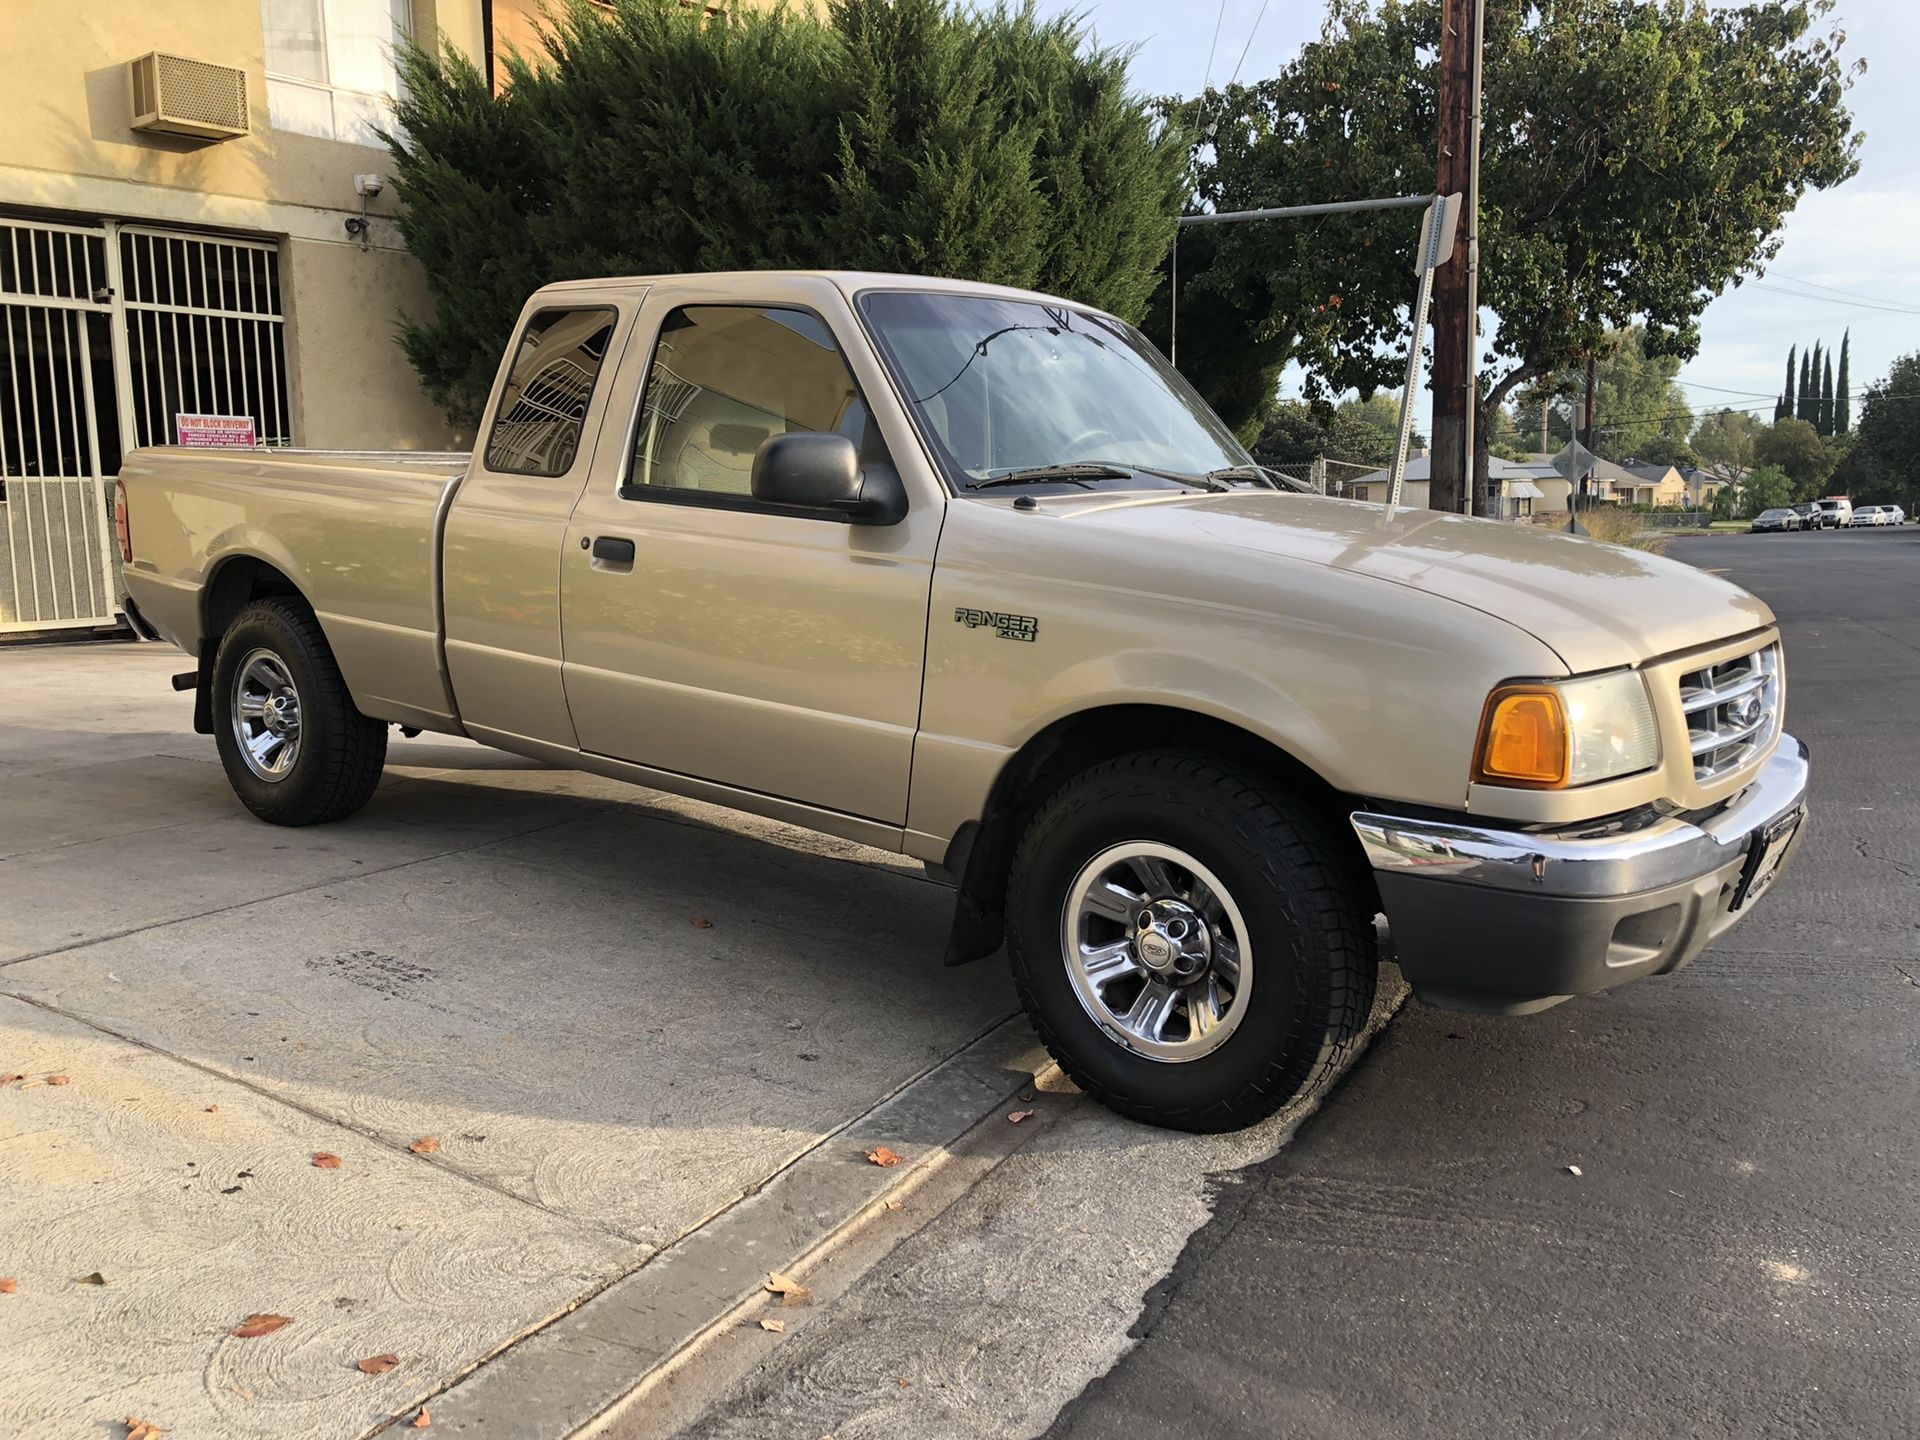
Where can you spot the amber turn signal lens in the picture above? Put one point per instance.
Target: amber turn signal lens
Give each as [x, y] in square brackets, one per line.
[1524, 740]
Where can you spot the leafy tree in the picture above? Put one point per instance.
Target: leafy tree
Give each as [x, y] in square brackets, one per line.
[1842, 390]
[1637, 159]
[1724, 441]
[1797, 448]
[1783, 407]
[1768, 488]
[1360, 432]
[1888, 437]
[650, 137]
[1636, 403]
[1666, 450]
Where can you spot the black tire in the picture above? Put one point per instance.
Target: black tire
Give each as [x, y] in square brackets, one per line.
[341, 752]
[1306, 907]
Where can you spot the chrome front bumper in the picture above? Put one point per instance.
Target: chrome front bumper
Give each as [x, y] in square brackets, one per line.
[1489, 918]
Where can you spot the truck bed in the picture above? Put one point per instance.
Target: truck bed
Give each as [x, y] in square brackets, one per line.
[355, 531]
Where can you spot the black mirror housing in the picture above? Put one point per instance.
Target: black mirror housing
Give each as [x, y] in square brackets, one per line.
[820, 470]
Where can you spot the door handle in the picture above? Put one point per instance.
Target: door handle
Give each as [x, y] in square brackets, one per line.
[612, 552]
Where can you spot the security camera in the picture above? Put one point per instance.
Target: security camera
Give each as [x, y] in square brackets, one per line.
[357, 226]
[368, 185]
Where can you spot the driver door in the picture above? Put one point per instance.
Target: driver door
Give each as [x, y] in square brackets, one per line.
[712, 636]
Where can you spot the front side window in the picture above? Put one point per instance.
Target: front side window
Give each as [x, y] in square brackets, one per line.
[536, 430]
[724, 379]
[330, 65]
[1003, 386]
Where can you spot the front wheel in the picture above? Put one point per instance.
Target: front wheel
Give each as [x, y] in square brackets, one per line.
[295, 749]
[1189, 941]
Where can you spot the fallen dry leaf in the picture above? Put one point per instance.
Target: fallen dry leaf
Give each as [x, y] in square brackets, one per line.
[212, 1108]
[425, 1145]
[59, 1080]
[8, 1284]
[377, 1364]
[138, 1429]
[258, 1324]
[905, 1383]
[882, 1156]
[10, 1078]
[423, 1419]
[896, 1204]
[241, 1391]
[323, 1161]
[790, 1290]
[778, 1327]
[1017, 1116]
[301, 1045]
[96, 1278]
[700, 922]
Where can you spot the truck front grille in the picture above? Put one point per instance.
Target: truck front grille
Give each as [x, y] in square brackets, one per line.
[1733, 711]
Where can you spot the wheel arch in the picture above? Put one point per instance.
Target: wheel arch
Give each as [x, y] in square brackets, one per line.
[980, 855]
[235, 582]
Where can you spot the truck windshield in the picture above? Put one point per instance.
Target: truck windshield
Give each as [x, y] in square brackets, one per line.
[1006, 386]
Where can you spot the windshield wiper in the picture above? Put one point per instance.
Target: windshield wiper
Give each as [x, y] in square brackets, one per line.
[1254, 472]
[1036, 474]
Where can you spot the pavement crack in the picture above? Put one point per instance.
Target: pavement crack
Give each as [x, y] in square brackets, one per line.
[1860, 849]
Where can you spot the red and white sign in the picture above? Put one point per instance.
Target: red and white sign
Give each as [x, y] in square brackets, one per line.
[212, 431]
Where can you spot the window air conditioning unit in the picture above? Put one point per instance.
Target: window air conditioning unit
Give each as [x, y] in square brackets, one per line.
[176, 96]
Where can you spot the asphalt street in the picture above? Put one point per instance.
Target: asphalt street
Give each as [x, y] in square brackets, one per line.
[1739, 1253]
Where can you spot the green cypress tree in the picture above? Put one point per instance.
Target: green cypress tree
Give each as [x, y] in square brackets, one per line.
[1842, 394]
[1803, 397]
[1826, 397]
[1783, 408]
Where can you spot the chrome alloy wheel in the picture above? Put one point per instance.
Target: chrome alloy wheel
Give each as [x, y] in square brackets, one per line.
[1157, 951]
[266, 715]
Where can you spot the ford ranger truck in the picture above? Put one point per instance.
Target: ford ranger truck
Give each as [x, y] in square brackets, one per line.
[972, 574]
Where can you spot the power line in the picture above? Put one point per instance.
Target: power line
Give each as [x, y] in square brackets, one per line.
[1857, 294]
[1835, 300]
[1249, 45]
[1219, 16]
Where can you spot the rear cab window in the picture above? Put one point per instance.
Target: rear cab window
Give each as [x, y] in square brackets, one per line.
[536, 428]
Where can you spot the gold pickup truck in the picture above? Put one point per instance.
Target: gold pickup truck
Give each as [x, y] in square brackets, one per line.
[972, 574]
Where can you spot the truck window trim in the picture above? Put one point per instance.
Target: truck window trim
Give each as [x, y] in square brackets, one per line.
[720, 499]
[485, 442]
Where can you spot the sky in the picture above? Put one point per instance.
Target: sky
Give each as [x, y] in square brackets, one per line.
[1850, 256]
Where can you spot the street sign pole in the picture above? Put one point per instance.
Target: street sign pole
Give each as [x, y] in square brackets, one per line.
[1435, 248]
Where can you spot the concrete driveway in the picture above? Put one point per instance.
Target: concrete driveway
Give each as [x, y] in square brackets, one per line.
[553, 1028]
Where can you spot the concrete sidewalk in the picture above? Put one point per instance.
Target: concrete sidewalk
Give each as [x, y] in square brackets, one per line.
[507, 959]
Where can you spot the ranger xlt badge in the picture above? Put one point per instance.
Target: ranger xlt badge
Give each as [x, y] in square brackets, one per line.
[1007, 627]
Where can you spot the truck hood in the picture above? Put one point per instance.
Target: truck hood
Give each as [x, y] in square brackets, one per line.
[1595, 605]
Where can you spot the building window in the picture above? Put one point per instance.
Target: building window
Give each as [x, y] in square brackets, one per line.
[330, 65]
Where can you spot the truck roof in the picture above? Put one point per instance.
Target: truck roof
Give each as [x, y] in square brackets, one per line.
[851, 282]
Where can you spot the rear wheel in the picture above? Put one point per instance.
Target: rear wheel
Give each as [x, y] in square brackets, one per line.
[295, 749]
[1189, 941]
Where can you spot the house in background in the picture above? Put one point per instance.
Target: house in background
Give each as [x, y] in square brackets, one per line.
[181, 254]
[1519, 486]
[1635, 484]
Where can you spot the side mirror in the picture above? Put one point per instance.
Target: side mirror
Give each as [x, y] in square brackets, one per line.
[821, 470]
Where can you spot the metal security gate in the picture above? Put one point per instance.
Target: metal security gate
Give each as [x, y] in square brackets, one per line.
[109, 334]
[205, 333]
[56, 349]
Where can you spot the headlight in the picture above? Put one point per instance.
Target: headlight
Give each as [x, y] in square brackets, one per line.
[1556, 734]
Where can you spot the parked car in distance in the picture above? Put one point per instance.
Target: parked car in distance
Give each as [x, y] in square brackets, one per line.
[1836, 512]
[973, 574]
[1899, 515]
[1869, 515]
[1776, 520]
[1809, 514]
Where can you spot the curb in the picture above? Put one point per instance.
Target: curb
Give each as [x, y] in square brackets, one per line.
[579, 1365]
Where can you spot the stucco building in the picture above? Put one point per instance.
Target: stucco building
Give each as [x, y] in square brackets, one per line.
[177, 187]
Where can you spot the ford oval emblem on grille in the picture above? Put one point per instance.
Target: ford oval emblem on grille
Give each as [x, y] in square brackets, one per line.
[1747, 710]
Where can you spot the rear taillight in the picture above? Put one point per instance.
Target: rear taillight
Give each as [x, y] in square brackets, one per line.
[122, 532]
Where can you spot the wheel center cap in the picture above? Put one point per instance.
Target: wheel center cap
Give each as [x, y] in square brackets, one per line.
[1171, 940]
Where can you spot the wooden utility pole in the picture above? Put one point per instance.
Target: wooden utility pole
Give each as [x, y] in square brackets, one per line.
[1456, 284]
[1587, 438]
